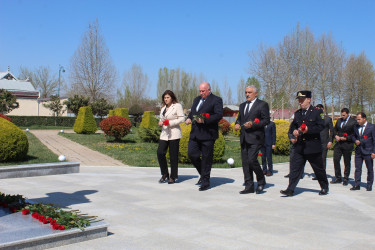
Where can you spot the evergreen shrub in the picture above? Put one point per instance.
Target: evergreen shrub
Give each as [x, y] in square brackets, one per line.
[282, 139]
[123, 112]
[14, 144]
[111, 113]
[85, 122]
[149, 130]
[116, 126]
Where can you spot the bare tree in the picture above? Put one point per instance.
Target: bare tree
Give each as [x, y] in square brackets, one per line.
[92, 72]
[135, 83]
[241, 85]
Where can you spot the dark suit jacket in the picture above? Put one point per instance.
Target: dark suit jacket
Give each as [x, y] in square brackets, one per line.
[255, 134]
[209, 130]
[270, 134]
[310, 142]
[349, 129]
[367, 145]
[327, 133]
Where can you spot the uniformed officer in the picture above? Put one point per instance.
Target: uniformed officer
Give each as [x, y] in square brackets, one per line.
[306, 127]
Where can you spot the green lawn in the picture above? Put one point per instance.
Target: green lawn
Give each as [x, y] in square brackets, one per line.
[38, 153]
[132, 151]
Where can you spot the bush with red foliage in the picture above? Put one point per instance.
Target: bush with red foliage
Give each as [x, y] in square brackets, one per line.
[115, 126]
[5, 117]
[224, 126]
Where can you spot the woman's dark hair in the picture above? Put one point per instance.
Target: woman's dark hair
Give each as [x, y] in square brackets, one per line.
[171, 94]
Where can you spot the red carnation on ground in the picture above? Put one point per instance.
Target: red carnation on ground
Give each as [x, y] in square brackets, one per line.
[61, 227]
[303, 126]
[35, 215]
[260, 154]
[365, 136]
[207, 115]
[345, 135]
[55, 226]
[52, 222]
[25, 211]
[166, 122]
[256, 121]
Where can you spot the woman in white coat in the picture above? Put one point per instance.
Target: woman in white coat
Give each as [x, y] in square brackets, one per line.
[171, 115]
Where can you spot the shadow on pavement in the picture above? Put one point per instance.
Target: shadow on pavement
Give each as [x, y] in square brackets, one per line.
[217, 181]
[66, 199]
[182, 178]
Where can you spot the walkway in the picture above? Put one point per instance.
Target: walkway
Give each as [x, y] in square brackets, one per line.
[72, 150]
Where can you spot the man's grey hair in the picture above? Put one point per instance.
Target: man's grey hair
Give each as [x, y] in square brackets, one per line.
[254, 87]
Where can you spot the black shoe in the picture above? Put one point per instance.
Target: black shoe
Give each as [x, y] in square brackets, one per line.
[286, 176]
[369, 188]
[324, 191]
[163, 179]
[355, 188]
[345, 182]
[199, 181]
[287, 192]
[171, 181]
[204, 188]
[338, 180]
[248, 190]
[314, 179]
[260, 189]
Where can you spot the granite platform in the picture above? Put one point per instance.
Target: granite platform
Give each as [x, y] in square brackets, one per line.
[41, 169]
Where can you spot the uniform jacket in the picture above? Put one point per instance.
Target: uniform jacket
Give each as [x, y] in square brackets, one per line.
[209, 130]
[255, 134]
[327, 133]
[367, 139]
[349, 129]
[175, 115]
[309, 143]
[270, 134]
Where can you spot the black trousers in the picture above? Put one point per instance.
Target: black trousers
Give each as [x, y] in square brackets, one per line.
[250, 164]
[337, 153]
[267, 158]
[324, 155]
[298, 166]
[173, 153]
[359, 158]
[198, 148]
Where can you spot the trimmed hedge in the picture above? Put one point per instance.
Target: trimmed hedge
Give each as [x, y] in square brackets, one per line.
[149, 130]
[219, 146]
[282, 140]
[61, 121]
[122, 112]
[85, 122]
[14, 144]
[111, 113]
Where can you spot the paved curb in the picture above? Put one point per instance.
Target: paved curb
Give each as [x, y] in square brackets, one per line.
[42, 169]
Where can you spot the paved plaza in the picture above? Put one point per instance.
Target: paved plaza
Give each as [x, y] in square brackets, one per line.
[143, 214]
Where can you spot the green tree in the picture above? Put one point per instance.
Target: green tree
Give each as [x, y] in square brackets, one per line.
[8, 101]
[101, 107]
[74, 103]
[55, 106]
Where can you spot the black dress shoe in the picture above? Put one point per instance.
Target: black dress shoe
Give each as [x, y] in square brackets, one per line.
[369, 188]
[355, 188]
[287, 192]
[286, 176]
[199, 182]
[204, 188]
[338, 180]
[324, 191]
[260, 189]
[248, 190]
[163, 179]
[171, 181]
[345, 182]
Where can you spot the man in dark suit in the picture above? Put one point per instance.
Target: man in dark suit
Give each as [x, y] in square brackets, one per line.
[253, 116]
[326, 136]
[306, 127]
[364, 138]
[266, 149]
[343, 132]
[204, 132]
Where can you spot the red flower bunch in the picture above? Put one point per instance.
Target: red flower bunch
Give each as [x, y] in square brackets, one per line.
[116, 126]
[207, 115]
[202, 116]
[5, 117]
[345, 135]
[166, 122]
[45, 220]
[256, 121]
[365, 137]
[25, 211]
[260, 154]
[303, 126]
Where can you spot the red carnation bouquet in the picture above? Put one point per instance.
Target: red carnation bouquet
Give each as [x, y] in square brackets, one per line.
[260, 154]
[365, 137]
[203, 116]
[256, 121]
[303, 126]
[166, 122]
[345, 135]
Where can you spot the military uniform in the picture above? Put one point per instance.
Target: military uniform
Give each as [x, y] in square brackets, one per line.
[308, 147]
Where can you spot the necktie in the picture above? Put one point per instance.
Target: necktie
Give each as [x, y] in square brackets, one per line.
[247, 108]
[200, 104]
[343, 123]
[362, 130]
[304, 112]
